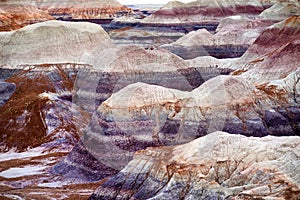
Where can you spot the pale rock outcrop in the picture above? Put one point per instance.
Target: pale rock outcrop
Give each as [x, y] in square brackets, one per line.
[282, 10]
[271, 59]
[6, 90]
[216, 166]
[174, 4]
[15, 14]
[77, 9]
[52, 42]
[222, 100]
[233, 36]
[286, 89]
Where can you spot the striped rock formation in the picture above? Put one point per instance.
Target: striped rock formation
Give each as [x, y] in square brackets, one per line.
[270, 59]
[217, 166]
[76, 9]
[118, 67]
[142, 115]
[233, 37]
[205, 11]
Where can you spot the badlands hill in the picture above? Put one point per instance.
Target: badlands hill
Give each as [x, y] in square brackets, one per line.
[233, 37]
[142, 115]
[269, 58]
[51, 42]
[44, 59]
[217, 166]
[282, 10]
[92, 9]
[47, 118]
[205, 11]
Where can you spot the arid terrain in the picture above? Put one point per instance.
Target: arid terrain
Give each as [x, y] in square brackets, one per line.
[182, 101]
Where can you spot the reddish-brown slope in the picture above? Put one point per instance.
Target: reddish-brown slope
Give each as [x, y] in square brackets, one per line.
[23, 118]
[14, 17]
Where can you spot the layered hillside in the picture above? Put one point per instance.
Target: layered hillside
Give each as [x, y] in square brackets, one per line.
[76, 9]
[39, 121]
[205, 11]
[217, 166]
[233, 37]
[269, 58]
[115, 71]
[142, 115]
[118, 67]
[44, 60]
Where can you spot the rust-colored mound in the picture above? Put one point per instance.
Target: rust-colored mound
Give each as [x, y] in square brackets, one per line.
[14, 17]
[34, 115]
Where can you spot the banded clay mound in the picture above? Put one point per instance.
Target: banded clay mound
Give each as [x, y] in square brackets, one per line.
[118, 67]
[17, 14]
[51, 42]
[270, 59]
[146, 37]
[233, 37]
[132, 58]
[205, 11]
[217, 166]
[215, 100]
[282, 10]
[47, 118]
[77, 9]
